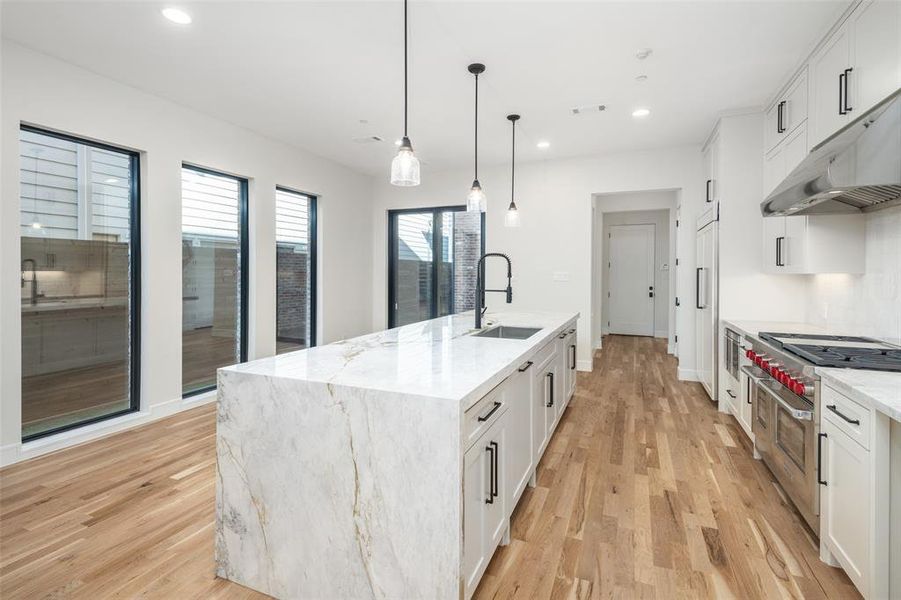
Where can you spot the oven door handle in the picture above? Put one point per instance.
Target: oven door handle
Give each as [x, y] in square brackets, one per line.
[797, 413]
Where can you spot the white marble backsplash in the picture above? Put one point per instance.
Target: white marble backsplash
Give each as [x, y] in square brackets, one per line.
[868, 304]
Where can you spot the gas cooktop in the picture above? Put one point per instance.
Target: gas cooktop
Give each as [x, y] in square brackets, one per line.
[842, 351]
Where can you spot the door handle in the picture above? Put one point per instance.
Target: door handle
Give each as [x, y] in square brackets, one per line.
[845, 97]
[820, 479]
[572, 365]
[490, 499]
[550, 402]
[780, 118]
[698, 287]
[709, 181]
[841, 94]
[494, 469]
[779, 258]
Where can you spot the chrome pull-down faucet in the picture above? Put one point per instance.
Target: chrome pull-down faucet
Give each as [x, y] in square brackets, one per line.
[34, 278]
[480, 285]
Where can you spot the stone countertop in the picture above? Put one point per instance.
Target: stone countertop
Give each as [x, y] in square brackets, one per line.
[436, 358]
[753, 328]
[878, 389]
[44, 306]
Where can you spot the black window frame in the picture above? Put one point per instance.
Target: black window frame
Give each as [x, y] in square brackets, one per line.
[314, 258]
[436, 253]
[134, 300]
[243, 264]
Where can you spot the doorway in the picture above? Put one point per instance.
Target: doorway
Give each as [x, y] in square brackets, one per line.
[432, 257]
[631, 279]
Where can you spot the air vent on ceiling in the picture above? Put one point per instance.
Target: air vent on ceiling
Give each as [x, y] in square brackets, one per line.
[368, 139]
[588, 109]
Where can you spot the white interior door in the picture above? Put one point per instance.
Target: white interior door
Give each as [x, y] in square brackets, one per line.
[631, 279]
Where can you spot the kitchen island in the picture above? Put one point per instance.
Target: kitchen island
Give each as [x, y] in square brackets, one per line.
[385, 466]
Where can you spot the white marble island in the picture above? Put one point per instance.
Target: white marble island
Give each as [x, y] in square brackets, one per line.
[341, 468]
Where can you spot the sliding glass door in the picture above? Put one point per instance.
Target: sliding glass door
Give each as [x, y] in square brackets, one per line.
[214, 275]
[432, 255]
[295, 256]
[80, 281]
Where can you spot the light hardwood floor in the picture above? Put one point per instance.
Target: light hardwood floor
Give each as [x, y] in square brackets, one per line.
[645, 491]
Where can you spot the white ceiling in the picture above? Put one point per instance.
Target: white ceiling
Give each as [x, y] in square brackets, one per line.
[309, 72]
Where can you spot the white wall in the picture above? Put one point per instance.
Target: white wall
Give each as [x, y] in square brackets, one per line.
[555, 200]
[868, 304]
[663, 303]
[39, 90]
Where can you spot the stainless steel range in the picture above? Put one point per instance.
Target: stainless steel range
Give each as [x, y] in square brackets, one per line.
[785, 396]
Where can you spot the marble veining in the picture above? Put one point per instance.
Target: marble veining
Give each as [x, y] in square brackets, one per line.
[878, 389]
[339, 471]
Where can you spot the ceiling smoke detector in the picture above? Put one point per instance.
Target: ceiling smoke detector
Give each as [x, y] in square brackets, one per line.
[590, 108]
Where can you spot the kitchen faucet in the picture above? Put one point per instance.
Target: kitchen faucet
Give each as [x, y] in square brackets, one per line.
[480, 285]
[34, 278]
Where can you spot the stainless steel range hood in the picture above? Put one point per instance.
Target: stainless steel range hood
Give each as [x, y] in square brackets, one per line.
[856, 170]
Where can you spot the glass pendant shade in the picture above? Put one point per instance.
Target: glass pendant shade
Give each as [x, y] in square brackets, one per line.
[405, 166]
[476, 201]
[511, 218]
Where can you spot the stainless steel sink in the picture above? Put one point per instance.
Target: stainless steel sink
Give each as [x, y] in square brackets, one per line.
[508, 333]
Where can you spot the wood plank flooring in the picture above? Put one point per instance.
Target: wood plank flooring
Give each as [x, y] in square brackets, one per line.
[644, 491]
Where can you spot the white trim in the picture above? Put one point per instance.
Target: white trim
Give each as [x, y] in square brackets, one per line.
[13, 453]
[661, 333]
[585, 365]
[688, 375]
[670, 347]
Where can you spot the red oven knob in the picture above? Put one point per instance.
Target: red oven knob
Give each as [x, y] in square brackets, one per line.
[750, 354]
[799, 388]
[774, 369]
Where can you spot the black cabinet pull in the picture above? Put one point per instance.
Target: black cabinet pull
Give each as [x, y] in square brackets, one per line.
[820, 479]
[550, 402]
[698, 287]
[841, 94]
[708, 199]
[494, 469]
[779, 258]
[572, 366]
[834, 409]
[497, 405]
[780, 118]
[490, 449]
[526, 366]
[561, 336]
[731, 395]
[847, 85]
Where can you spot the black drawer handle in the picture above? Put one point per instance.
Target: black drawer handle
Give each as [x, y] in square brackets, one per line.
[820, 479]
[494, 469]
[731, 395]
[708, 198]
[526, 366]
[833, 408]
[551, 401]
[483, 418]
[847, 84]
[490, 449]
[572, 366]
[841, 94]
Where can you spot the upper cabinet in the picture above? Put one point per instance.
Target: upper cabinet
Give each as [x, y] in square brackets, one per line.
[787, 113]
[859, 65]
[711, 155]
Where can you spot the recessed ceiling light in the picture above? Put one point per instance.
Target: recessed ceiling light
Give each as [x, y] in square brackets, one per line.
[543, 145]
[177, 15]
[638, 113]
[641, 78]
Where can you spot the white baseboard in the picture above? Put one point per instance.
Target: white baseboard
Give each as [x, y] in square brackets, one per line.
[661, 333]
[670, 348]
[13, 453]
[585, 365]
[688, 375]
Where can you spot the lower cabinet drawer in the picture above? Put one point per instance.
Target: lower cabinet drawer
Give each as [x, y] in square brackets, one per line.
[482, 415]
[847, 415]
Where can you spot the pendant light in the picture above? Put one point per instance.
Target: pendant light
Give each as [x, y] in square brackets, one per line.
[405, 166]
[475, 202]
[511, 219]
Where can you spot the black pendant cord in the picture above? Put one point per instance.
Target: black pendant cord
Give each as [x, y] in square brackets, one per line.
[513, 166]
[405, 68]
[477, 130]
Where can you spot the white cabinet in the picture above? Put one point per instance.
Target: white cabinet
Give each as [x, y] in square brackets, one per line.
[711, 156]
[520, 457]
[780, 161]
[787, 113]
[814, 244]
[854, 491]
[543, 413]
[485, 518]
[569, 377]
[705, 304]
[859, 65]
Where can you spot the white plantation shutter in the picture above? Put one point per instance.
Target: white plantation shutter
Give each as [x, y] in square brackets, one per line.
[209, 205]
[292, 219]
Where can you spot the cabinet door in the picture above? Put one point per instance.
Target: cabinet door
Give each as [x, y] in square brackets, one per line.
[496, 517]
[476, 488]
[540, 412]
[571, 367]
[794, 247]
[794, 111]
[551, 394]
[519, 453]
[773, 170]
[794, 150]
[773, 237]
[875, 54]
[704, 290]
[827, 115]
[771, 133]
[845, 503]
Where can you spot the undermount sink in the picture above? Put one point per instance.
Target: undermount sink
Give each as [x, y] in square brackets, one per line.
[508, 333]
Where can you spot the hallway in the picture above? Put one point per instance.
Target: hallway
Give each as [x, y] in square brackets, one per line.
[645, 491]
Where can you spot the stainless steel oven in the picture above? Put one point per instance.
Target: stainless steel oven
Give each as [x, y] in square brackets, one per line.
[731, 352]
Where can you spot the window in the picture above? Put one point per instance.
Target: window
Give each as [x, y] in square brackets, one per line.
[295, 248]
[214, 275]
[80, 281]
[432, 257]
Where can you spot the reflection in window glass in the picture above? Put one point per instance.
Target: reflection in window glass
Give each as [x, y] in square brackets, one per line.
[295, 246]
[76, 205]
[212, 261]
